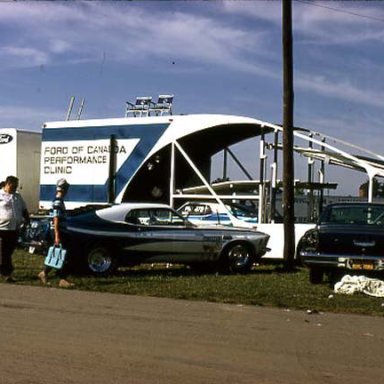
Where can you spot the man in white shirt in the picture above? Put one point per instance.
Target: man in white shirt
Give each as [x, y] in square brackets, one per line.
[13, 212]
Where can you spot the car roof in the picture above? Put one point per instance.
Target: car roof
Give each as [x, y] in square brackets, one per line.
[119, 211]
[218, 207]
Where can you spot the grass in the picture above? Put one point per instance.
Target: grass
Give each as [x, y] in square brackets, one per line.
[264, 286]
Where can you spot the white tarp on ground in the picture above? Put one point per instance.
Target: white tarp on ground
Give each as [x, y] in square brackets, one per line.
[349, 285]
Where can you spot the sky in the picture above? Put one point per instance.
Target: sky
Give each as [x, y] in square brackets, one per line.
[214, 56]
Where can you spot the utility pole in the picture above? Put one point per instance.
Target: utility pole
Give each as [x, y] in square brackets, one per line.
[288, 166]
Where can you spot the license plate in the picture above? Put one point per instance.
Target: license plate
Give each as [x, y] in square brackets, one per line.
[366, 266]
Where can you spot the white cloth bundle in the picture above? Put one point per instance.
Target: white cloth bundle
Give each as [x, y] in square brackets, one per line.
[349, 285]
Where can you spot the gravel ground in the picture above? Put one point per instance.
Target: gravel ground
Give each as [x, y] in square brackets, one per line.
[51, 335]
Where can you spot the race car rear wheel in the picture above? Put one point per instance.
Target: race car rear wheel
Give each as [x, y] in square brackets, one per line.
[239, 258]
[100, 260]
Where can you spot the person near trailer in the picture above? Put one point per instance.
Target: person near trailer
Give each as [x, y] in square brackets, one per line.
[58, 213]
[13, 214]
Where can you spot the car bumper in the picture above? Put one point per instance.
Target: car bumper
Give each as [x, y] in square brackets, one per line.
[330, 261]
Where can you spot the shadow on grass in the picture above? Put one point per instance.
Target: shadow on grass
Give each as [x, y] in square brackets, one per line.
[283, 269]
[145, 271]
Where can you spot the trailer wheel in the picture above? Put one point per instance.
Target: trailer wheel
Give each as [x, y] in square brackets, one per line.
[100, 260]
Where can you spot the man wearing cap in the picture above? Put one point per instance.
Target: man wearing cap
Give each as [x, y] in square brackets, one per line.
[57, 213]
[13, 213]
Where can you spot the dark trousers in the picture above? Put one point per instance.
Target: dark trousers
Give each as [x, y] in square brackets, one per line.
[8, 243]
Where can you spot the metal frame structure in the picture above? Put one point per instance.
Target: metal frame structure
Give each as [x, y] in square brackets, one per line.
[326, 154]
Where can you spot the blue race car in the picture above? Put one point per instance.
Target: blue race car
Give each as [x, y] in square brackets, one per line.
[135, 233]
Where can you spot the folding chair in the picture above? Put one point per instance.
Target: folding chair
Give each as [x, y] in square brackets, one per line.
[163, 105]
[140, 108]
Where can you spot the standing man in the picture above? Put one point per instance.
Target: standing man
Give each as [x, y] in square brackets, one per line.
[13, 212]
[58, 214]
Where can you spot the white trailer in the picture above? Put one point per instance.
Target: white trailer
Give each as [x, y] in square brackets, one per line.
[147, 161]
[167, 159]
[20, 157]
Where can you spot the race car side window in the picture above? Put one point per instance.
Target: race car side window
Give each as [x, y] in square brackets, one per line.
[132, 220]
[154, 217]
[165, 217]
[138, 217]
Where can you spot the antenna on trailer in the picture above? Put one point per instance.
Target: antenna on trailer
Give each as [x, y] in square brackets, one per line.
[70, 107]
[80, 108]
[71, 102]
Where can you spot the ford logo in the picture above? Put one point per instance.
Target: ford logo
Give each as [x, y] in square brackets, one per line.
[5, 138]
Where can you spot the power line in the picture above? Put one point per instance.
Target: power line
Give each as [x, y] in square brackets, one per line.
[340, 10]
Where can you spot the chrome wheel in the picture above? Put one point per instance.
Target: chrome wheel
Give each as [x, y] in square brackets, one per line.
[239, 258]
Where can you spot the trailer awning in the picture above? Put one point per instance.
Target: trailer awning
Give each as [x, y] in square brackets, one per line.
[355, 162]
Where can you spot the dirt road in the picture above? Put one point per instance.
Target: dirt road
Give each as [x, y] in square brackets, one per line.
[49, 335]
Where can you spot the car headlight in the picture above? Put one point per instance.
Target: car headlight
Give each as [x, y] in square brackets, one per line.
[311, 241]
